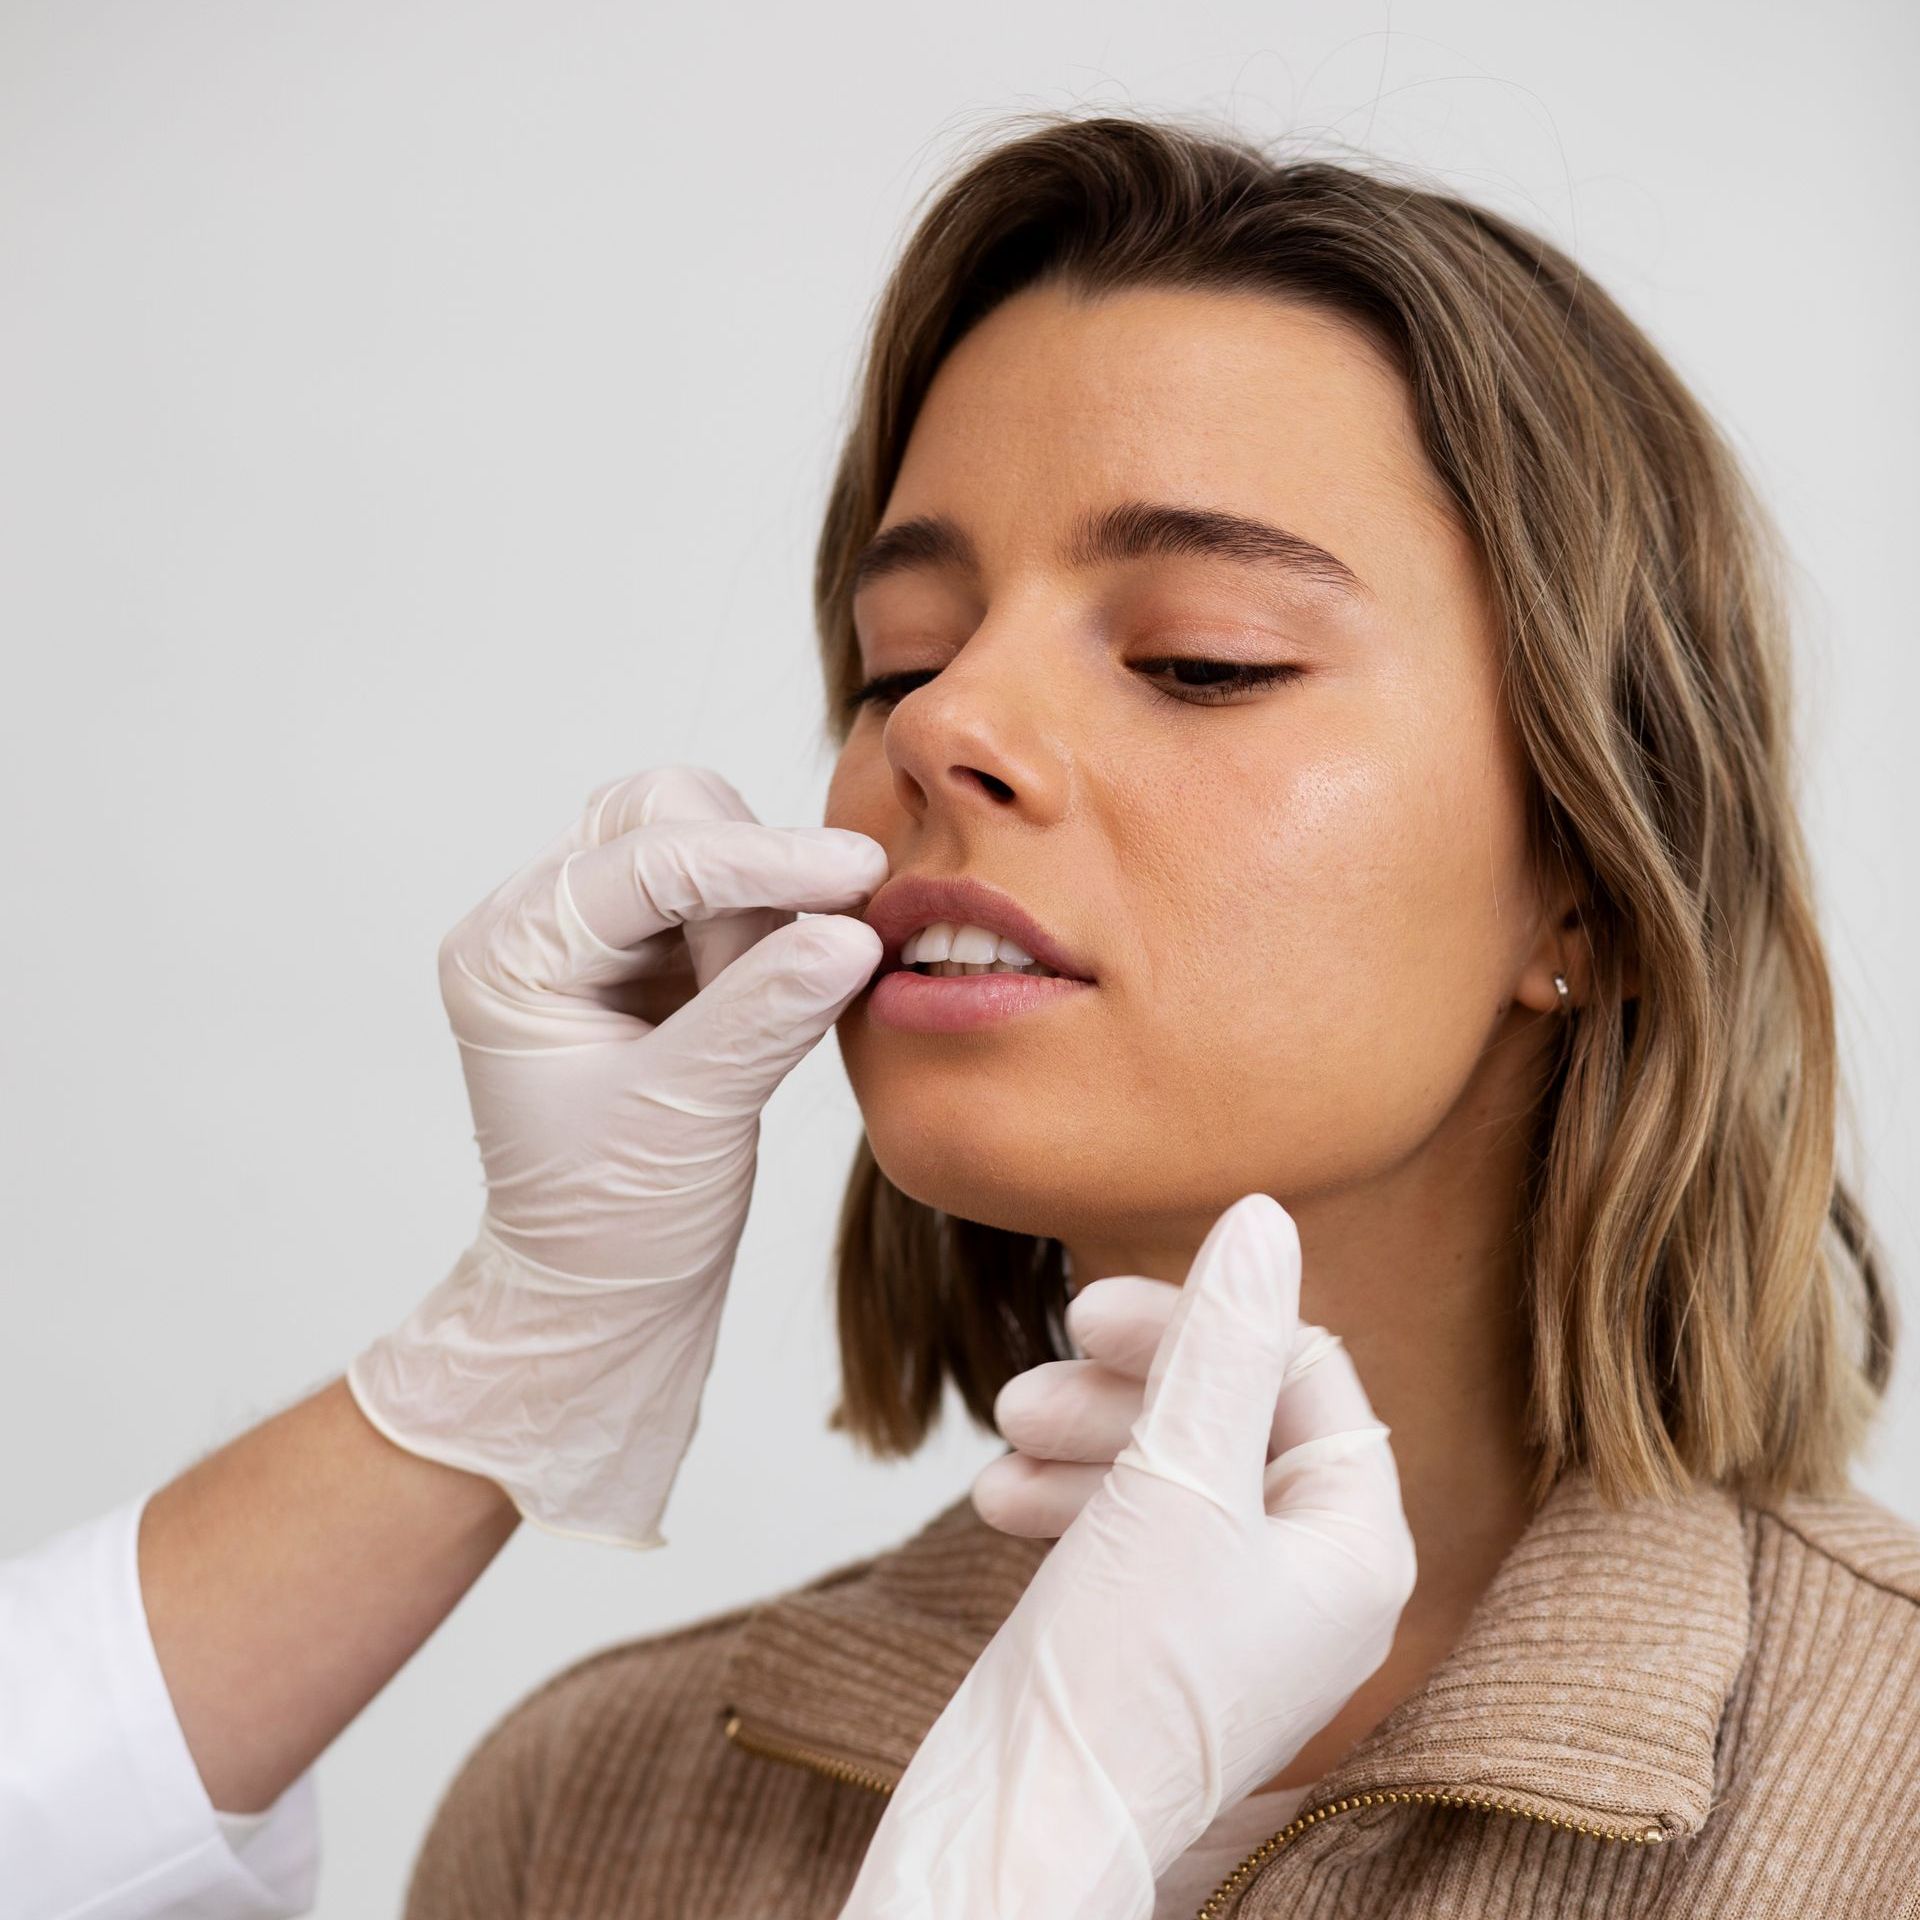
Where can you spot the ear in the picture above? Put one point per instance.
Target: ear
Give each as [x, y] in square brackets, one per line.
[1564, 949]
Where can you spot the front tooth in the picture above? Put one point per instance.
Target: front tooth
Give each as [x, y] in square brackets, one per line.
[1012, 952]
[929, 945]
[975, 946]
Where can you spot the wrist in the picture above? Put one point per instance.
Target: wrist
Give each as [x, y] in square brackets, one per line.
[456, 1500]
[1018, 1830]
[287, 1576]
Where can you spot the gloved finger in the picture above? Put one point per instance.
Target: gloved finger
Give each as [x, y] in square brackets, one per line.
[1035, 1499]
[1068, 1410]
[1327, 1439]
[724, 1052]
[1338, 1481]
[1083, 1410]
[681, 873]
[1216, 1373]
[1311, 1345]
[684, 792]
[1119, 1320]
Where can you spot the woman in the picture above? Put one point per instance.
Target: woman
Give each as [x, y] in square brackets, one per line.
[1304, 612]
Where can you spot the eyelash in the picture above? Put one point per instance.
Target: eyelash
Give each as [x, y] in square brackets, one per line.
[1235, 676]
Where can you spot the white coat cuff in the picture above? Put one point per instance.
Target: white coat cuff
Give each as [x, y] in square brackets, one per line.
[103, 1815]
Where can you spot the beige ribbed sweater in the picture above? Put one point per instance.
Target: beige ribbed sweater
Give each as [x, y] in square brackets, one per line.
[1700, 1709]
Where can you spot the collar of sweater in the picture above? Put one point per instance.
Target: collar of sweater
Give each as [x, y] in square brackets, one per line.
[1587, 1689]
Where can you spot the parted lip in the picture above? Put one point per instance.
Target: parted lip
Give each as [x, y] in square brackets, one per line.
[910, 901]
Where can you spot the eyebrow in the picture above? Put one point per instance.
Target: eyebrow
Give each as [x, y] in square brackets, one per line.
[1130, 531]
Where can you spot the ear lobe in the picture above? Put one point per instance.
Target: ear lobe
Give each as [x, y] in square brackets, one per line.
[1578, 950]
[1572, 955]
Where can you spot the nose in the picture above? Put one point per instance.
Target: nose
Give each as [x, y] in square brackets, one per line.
[981, 736]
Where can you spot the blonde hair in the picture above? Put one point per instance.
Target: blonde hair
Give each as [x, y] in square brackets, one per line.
[1705, 1300]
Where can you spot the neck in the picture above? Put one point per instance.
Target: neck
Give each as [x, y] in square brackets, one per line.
[1417, 1268]
[1418, 1272]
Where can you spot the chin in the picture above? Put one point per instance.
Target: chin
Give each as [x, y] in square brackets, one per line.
[993, 1182]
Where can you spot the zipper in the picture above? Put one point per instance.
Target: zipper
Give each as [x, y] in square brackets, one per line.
[839, 1769]
[804, 1756]
[1484, 1802]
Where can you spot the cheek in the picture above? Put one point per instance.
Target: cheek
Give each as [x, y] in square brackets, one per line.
[1289, 899]
[859, 792]
[1331, 967]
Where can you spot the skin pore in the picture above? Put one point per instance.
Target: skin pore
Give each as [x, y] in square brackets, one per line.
[1324, 967]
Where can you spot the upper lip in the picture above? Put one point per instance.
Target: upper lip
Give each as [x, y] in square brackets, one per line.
[910, 901]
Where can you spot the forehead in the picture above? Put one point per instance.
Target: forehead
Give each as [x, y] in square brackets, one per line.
[1239, 400]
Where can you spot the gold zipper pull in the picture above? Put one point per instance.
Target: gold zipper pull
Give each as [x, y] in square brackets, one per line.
[830, 1764]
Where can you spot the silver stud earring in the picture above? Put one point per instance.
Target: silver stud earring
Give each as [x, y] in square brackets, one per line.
[1566, 998]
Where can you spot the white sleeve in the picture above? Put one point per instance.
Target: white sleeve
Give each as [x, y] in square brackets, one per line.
[103, 1815]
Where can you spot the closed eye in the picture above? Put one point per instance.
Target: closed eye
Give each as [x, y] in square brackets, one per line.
[1217, 680]
[1212, 681]
[885, 689]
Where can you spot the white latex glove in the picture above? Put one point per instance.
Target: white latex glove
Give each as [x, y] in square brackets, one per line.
[1068, 1420]
[625, 1004]
[1204, 1614]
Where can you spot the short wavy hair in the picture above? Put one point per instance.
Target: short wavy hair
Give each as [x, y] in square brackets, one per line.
[1705, 1301]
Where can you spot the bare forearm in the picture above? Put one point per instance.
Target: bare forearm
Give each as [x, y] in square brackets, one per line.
[290, 1575]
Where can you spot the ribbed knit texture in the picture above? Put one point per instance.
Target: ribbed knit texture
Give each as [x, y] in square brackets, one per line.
[1743, 1684]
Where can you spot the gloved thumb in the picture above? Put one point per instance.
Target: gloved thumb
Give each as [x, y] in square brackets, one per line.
[723, 1052]
[1217, 1372]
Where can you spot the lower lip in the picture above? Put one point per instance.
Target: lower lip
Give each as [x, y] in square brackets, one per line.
[959, 1002]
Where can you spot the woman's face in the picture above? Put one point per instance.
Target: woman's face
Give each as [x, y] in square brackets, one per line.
[1306, 905]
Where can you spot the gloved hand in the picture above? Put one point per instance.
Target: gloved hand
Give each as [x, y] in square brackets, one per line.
[1202, 1616]
[1069, 1419]
[625, 1004]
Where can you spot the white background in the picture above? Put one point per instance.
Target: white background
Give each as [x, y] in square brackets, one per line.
[412, 415]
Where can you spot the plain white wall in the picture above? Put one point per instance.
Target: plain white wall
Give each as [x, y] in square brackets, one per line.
[415, 414]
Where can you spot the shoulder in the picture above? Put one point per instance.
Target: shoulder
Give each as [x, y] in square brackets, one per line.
[1818, 1749]
[1856, 1540]
[623, 1722]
